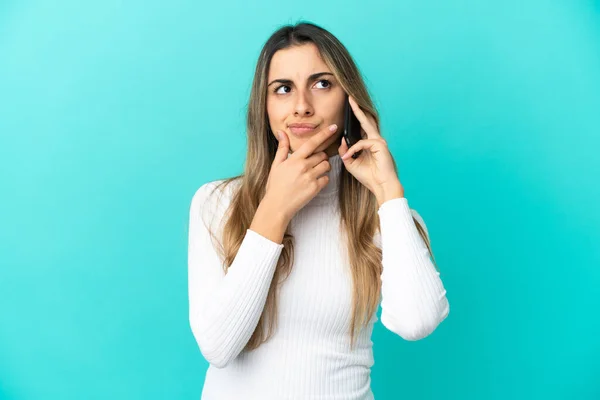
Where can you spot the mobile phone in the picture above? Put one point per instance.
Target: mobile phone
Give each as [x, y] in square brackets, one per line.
[351, 127]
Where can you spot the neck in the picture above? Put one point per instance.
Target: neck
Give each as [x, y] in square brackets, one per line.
[328, 195]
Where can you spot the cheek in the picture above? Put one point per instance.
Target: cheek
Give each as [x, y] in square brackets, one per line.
[335, 114]
[340, 114]
[275, 111]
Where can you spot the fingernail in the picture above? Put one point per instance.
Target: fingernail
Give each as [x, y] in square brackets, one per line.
[278, 135]
[333, 127]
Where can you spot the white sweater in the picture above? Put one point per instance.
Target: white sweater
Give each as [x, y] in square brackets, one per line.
[309, 357]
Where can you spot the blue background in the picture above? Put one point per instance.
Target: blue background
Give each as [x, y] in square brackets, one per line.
[113, 113]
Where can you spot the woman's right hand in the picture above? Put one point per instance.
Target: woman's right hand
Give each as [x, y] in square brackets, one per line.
[293, 181]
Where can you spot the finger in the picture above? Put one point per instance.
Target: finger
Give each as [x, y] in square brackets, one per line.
[316, 159]
[360, 145]
[368, 125]
[343, 147]
[282, 149]
[372, 121]
[342, 150]
[320, 169]
[311, 144]
[323, 181]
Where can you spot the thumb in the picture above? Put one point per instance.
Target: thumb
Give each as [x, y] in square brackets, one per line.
[282, 149]
[343, 147]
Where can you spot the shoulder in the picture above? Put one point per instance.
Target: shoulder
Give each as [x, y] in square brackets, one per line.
[205, 193]
[215, 191]
[213, 198]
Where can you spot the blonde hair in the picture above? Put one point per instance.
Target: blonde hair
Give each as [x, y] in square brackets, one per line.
[358, 206]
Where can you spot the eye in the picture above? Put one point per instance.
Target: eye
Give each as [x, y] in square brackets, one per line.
[325, 81]
[279, 91]
[282, 86]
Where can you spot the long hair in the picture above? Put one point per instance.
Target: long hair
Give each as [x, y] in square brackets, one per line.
[358, 206]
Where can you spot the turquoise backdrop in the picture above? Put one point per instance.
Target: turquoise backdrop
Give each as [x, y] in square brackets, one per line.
[113, 113]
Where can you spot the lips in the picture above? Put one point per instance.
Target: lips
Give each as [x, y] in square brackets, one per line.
[302, 128]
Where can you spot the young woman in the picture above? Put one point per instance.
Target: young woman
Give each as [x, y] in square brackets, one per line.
[289, 261]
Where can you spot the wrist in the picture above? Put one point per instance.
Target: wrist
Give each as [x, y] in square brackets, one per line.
[274, 211]
[388, 192]
[269, 222]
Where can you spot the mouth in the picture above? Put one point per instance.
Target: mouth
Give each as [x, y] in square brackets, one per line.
[302, 129]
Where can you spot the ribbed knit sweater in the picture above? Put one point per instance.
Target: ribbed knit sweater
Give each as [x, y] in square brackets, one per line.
[309, 356]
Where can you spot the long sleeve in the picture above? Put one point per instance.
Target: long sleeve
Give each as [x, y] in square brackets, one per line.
[224, 309]
[414, 300]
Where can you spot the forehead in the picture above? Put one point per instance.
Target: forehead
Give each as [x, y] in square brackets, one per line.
[297, 62]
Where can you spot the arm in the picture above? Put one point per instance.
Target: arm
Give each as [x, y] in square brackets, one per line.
[414, 300]
[224, 309]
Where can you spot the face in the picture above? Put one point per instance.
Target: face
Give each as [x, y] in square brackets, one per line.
[303, 90]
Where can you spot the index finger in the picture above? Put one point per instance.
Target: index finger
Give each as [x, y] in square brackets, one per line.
[311, 144]
[367, 122]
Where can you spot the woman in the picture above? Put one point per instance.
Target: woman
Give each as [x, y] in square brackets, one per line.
[289, 261]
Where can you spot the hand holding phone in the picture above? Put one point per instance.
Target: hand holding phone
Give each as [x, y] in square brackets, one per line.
[351, 127]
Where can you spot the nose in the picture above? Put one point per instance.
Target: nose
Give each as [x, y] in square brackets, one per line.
[303, 107]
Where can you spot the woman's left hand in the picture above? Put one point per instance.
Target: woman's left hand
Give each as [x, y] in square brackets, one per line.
[374, 168]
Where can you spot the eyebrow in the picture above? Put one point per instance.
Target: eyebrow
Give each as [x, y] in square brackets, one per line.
[310, 78]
